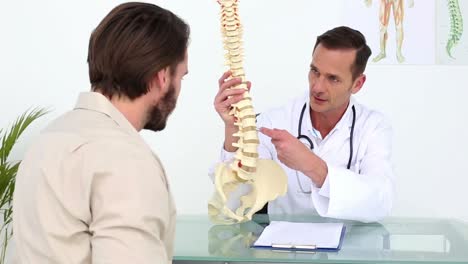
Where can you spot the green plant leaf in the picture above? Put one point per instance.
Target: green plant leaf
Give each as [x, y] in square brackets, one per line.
[9, 139]
[8, 171]
[7, 183]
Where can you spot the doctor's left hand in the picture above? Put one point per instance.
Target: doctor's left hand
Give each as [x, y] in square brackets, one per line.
[297, 156]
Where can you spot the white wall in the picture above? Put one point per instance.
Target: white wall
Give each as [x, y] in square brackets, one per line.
[43, 50]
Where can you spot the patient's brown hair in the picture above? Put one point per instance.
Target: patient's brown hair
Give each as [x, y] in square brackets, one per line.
[131, 44]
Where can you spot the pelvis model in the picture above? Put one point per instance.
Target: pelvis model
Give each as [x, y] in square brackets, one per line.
[265, 179]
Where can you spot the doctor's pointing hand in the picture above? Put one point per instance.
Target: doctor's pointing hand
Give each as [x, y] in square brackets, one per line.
[294, 154]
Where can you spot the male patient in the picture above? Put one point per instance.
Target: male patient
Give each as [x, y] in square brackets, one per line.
[89, 189]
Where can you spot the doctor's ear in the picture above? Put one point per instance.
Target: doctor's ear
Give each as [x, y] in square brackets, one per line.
[358, 83]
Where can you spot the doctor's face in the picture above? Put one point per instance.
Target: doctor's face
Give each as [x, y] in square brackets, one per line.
[331, 80]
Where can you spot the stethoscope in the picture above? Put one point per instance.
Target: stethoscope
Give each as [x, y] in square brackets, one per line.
[311, 145]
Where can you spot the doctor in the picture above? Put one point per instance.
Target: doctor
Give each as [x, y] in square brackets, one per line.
[335, 151]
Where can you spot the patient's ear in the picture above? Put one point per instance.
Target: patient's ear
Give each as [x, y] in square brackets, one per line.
[160, 82]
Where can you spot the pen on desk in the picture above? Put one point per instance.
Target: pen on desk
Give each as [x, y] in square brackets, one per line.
[289, 246]
[281, 246]
[305, 247]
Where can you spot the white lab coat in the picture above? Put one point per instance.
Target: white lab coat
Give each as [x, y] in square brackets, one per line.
[364, 192]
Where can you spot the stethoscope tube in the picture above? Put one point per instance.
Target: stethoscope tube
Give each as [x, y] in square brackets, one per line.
[351, 133]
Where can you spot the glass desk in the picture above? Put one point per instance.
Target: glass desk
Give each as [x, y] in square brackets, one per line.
[395, 240]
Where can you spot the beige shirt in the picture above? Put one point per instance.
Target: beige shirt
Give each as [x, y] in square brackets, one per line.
[90, 190]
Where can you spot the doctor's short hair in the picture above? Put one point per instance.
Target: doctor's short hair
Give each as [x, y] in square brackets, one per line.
[131, 44]
[347, 38]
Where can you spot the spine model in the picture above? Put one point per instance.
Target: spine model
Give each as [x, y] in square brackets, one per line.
[260, 180]
[245, 161]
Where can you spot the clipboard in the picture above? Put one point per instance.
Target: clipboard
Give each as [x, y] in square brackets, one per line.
[303, 248]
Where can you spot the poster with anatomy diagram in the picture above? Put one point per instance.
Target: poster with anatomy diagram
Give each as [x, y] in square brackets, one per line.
[398, 31]
[412, 31]
[452, 35]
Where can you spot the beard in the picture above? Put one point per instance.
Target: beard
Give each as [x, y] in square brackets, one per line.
[158, 114]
